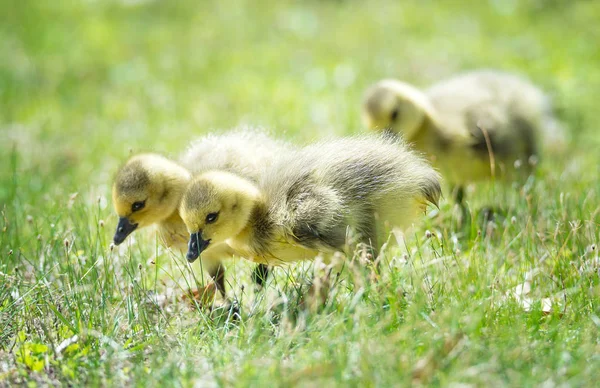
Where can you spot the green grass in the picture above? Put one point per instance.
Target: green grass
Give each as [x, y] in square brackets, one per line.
[83, 84]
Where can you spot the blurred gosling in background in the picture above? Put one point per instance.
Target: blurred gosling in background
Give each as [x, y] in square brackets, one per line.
[475, 126]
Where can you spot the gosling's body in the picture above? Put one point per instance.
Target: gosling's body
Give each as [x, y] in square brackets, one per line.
[474, 126]
[312, 200]
[159, 184]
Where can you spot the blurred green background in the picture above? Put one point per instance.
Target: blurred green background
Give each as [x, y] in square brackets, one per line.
[85, 83]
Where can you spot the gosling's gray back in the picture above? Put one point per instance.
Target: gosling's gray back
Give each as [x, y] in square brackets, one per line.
[514, 112]
[318, 190]
[246, 151]
[358, 168]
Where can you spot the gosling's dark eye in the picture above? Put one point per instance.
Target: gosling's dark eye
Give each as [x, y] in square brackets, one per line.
[211, 217]
[138, 206]
[394, 115]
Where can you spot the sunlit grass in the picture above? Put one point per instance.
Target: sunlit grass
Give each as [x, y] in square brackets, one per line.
[83, 84]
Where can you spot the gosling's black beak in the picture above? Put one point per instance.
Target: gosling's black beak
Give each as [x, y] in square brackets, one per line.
[124, 229]
[196, 246]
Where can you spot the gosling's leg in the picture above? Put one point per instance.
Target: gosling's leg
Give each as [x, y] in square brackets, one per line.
[458, 194]
[490, 214]
[367, 230]
[260, 274]
[217, 273]
[482, 216]
[205, 295]
[370, 254]
[212, 262]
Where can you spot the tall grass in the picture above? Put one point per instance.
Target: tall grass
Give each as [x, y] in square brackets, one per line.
[83, 84]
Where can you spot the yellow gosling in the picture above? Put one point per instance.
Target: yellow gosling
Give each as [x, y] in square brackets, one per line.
[311, 200]
[475, 126]
[148, 189]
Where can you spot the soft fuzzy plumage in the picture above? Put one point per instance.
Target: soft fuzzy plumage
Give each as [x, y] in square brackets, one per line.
[245, 151]
[159, 183]
[472, 126]
[312, 199]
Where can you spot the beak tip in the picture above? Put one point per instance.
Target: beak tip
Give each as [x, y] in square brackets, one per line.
[191, 257]
[196, 246]
[124, 229]
[118, 239]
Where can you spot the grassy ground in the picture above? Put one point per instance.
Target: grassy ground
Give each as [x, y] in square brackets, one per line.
[83, 84]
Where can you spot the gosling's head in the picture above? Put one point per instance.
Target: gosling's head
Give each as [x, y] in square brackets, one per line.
[216, 207]
[147, 189]
[397, 107]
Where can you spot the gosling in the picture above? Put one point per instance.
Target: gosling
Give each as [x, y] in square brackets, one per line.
[310, 200]
[473, 127]
[149, 187]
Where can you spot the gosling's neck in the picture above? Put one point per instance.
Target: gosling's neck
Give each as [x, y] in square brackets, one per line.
[254, 235]
[429, 137]
[176, 180]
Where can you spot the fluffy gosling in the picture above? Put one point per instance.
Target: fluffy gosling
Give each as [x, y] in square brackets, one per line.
[474, 126]
[149, 187]
[310, 200]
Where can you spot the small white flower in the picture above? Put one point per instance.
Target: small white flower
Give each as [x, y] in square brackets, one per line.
[518, 164]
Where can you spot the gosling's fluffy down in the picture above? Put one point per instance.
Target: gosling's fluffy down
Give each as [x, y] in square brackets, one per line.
[473, 126]
[157, 184]
[311, 200]
[245, 151]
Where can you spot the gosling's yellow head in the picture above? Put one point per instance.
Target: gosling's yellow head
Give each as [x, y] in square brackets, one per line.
[216, 207]
[395, 106]
[147, 189]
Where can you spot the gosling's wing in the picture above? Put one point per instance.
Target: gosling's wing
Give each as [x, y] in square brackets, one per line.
[361, 172]
[491, 111]
[498, 130]
[315, 216]
[319, 191]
